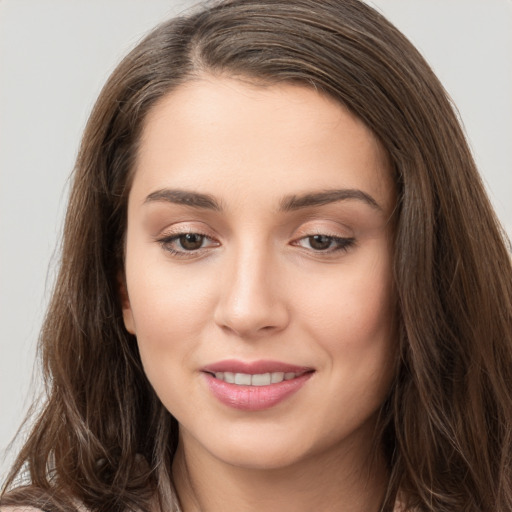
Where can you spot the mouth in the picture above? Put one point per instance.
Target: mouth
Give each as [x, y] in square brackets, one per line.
[258, 379]
[254, 386]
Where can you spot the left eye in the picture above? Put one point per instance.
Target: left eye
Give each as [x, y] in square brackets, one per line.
[325, 243]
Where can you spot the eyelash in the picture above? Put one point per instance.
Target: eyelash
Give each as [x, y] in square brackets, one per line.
[341, 244]
[167, 240]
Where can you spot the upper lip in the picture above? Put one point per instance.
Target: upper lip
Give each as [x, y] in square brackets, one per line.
[254, 367]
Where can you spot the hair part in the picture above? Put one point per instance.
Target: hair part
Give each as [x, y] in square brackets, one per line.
[104, 439]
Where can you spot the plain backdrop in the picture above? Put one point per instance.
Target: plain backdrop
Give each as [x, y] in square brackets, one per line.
[56, 54]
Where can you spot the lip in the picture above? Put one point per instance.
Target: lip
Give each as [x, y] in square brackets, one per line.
[254, 398]
[254, 367]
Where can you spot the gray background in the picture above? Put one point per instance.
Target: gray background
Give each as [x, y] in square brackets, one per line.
[56, 54]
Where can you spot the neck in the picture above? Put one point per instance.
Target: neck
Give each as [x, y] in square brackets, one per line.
[340, 481]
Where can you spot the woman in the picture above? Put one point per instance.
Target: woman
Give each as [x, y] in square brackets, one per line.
[282, 284]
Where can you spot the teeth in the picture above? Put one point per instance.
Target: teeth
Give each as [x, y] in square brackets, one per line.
[243, 379]
[276, 377]
[259, 379]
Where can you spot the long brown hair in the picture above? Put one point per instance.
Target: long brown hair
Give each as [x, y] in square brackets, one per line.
[103, 438]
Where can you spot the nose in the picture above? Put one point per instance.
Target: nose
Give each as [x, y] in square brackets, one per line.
[252, 296]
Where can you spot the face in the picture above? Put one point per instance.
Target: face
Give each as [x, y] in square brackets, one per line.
[258, 271]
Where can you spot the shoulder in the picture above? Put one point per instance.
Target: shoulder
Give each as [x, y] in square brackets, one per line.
[400, 506]
[28, 508]
[20, 508]
[75, 506]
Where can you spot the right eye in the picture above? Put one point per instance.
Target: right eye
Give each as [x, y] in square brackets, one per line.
[184, 244]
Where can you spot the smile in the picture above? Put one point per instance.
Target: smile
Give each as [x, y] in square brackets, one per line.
[254, 386]
[258, 379]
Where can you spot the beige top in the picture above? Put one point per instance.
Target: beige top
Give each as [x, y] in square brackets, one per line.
[398, 508]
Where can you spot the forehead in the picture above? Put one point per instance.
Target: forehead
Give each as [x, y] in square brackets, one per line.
[235, 139]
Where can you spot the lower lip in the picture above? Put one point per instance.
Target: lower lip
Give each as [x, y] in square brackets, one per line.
[254, 398]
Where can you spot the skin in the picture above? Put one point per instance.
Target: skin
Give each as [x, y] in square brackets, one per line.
[259, 288]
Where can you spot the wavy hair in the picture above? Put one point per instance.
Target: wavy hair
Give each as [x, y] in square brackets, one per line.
[104, 440]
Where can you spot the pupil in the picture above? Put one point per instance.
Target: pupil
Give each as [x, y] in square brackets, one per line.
[191, 241]
[320, 242]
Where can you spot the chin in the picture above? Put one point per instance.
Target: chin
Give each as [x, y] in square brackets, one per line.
[257, 458]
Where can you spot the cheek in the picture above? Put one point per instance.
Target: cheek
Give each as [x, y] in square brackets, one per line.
[164, 297]
[355, 329]
[354, 310]
[167, 311]
[172, 307]
[167, 322]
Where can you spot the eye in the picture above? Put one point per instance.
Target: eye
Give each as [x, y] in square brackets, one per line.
[191, 241]
[325, 243]
[184, 244]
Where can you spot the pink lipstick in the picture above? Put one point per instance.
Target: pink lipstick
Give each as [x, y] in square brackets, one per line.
[254, 386]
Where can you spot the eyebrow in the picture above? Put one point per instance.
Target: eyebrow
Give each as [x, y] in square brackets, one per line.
[295, 202]
[287, 204]
[184, 197]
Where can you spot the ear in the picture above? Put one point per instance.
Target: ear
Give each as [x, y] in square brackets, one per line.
[129, 322]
